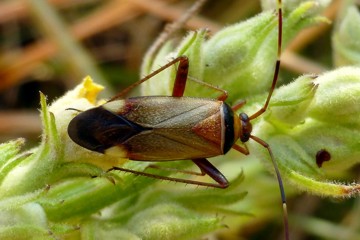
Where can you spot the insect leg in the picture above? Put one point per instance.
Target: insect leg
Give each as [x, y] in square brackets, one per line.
[181, 77]
[223, 95]
[281, 185]
[176, 170]
[180, 59]
[238, 105]
[206, 169]
[209, 169]
[244, 150]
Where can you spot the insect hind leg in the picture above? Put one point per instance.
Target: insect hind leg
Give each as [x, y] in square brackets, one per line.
[180, 80]
[223, 93]
[210, 170]
[176, 170]
[204, 165]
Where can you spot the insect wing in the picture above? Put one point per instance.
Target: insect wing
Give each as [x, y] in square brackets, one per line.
[98, 129]
[178, 127]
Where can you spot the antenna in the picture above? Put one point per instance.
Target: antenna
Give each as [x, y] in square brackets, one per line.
[277, 64]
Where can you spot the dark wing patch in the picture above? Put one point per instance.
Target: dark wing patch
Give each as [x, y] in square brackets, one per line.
[98, 129]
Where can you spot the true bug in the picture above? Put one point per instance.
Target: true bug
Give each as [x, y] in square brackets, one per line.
[169, 128]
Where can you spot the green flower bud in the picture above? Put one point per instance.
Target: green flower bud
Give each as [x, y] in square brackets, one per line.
[162, 83]
[28, 172]
[231, 59]
[345, 38]
[234, 55]
[290, 103]
[337, 98]
[325, 118]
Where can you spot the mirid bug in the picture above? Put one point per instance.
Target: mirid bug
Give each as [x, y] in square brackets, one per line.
[169, 128]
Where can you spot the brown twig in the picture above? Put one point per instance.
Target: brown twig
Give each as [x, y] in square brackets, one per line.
[113, 13]
[19, 66]
[299, 64]
[170, 13]
[306, 36]
[14, 122]
[12, 10]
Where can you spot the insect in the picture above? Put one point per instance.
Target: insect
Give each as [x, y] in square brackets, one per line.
[169, 128]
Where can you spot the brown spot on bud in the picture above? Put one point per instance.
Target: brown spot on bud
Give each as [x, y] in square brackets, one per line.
[322, 156]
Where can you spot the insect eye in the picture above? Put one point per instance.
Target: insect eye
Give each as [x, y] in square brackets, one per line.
[244, 117]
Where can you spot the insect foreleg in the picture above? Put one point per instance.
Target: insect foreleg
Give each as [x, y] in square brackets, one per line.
[281, 185]
[244, 150]
[238, 105]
